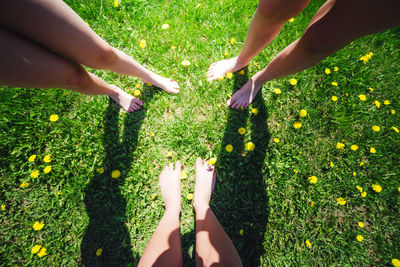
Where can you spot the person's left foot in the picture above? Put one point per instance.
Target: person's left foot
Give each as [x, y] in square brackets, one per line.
[170, 184]
[168, 85]
[245, 95]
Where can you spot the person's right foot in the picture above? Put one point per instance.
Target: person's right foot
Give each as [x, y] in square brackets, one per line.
[125, 100]
[220, 68]
[205, 181]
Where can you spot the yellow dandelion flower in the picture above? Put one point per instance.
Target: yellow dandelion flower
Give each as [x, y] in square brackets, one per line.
[250, 146]
[312, 203]
[54, 117]
[241, 232]
[229, 148]
[354, 147]
[116, 3]
[32, 158]
[297, 125]
[241, 72]
[372, 150]
[377, 103]
[229, 75]
[354, 173]
[3, 207]
[327, 71]
[251, 224]
[153, 196]
[291, 19]
[115, 174]
[254, 111]
[165, 26]
[332, 164]
[35, 174]
[277, 91]
[137, 85]
[185, 62]
[313, 179]
[42, 252]
[334, 98]
[393, 111]
[189, 196]
[242, 131]
[59, 193]
[295, 171]
[293, 81]
[99, 251]
[226, 53]
[341, 201]
[386, 102]
[232, 41]
[276, 140]
[38, 226]
[308, 243]
[360, 238]
[359, 188]
[362, 97]
[36, 249]
[363, 194]
[369, 55]
[149, 84]
[335, 68]
[183, 174]
[142, 43]
[362, 163]
[47, 169]
[339, 145]
[303, 113]
[100, 170]
[376, 187]
[334, 83]
[47, 158]
[212, 161]
[376, 128]
[364, 59]
[395, 129]
[169, 154]
[361, 224]
[137, 93]
[24, 185]
[396, 262]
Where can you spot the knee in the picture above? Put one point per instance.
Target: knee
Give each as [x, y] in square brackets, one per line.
[77, 78]
[316, 44]
[278, 10]
[104, 58]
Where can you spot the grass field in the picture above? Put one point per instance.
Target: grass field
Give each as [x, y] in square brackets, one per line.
[264, 198]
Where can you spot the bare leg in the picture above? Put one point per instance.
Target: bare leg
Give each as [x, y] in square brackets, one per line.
[56, 26]
[213, 245]
[164, 248]
[336, 24]
[267, 21]
[26, 64]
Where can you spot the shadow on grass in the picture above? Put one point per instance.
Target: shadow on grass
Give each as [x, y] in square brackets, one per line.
[240, 200]
[105, 205]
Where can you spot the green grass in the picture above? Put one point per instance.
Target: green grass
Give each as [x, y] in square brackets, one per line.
[265, 193]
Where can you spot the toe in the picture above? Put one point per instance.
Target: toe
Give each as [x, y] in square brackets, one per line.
[171, 166]
[178, 165]
[199, 162]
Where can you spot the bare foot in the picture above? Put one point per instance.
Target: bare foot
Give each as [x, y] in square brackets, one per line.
[220, 68]
[245, 95]
[125, 100]
[168, 85]
[205, 181]
[170, 184]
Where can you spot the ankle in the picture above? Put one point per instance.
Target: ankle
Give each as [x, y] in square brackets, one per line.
[242, 62]
[200, 206]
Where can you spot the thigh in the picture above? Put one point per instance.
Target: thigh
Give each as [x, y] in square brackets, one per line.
[281, 10]
[339, 22]
[26, 64]
[55, 25]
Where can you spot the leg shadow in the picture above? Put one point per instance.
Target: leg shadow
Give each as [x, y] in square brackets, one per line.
[240, 200]
[105, 205]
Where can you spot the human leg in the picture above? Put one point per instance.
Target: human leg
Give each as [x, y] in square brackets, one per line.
[56, 26]
[26, 64]
[337, 23]
[269, 18]
[164, 248]
[213, 245]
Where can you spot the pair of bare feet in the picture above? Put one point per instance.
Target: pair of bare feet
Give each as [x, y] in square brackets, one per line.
[170, 184]
[131, 104]
[246, 94]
